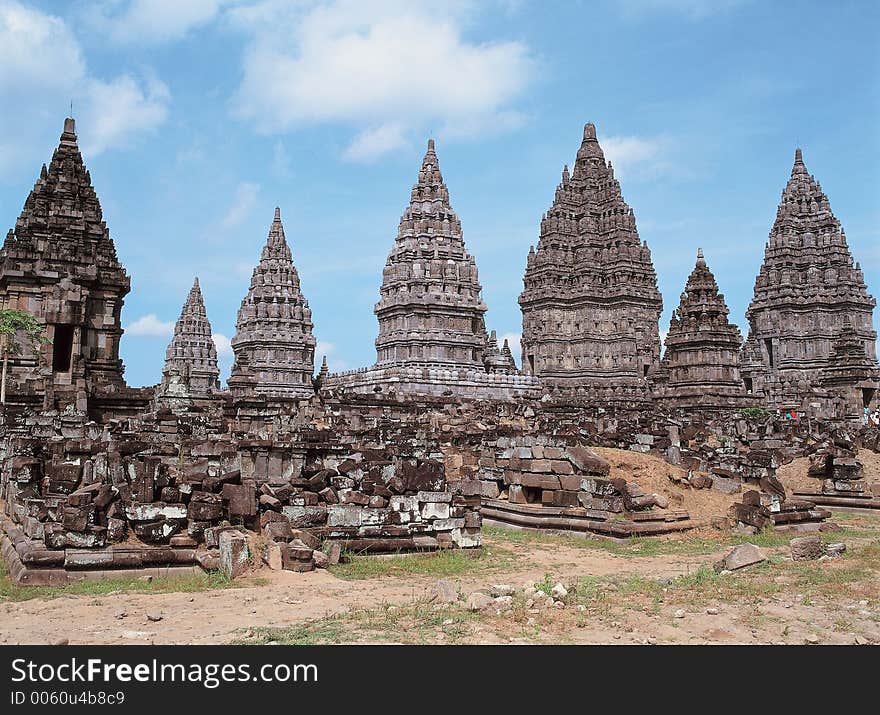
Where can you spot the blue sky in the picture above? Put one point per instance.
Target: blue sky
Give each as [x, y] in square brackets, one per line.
[197, 118]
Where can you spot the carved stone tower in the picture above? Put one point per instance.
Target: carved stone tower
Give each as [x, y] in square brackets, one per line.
[810, 307]
[191, 358]
[273, 344]
[700, 367]
[59, 264]
[431, 310]
[590, 302]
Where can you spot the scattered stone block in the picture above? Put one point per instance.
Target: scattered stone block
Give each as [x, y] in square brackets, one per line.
[739, 557]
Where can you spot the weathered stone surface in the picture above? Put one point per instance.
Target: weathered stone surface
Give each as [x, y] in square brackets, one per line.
[443, 591]
[587, 461]
[811, 316]
[273, 343]
[60, 264]
[700, 366]
[234, 553]
[191, 358]
[478, 601]
[806, 548]
[739, 557]
[590, 302]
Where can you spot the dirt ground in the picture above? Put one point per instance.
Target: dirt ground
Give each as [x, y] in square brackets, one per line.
[659, 590]
[636, 600]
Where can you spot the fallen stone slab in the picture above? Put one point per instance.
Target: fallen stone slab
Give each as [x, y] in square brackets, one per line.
[444, 591]
[739, 557]
[806, 548]
[478, 601]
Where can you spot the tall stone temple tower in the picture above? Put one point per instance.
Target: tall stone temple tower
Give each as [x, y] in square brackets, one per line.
[811, 318]
[700, 367]
[59, 264]
[431, 309]
[191, 358]
[590, 302]
[273, 344]
[432, 333]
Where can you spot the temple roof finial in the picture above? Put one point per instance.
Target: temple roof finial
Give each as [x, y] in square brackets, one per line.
[589, 131]
[277, 214]
[430, 145]
[70, 126]
[700, 255]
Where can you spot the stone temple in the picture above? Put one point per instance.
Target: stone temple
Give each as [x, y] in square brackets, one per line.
[191, 358]
[273, 344]
[432, 333]
[810, 296]
[413, 452]
[590, 302]
[59, 264]
[700, 367]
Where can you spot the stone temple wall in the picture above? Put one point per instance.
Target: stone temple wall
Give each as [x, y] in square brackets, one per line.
[359, 472]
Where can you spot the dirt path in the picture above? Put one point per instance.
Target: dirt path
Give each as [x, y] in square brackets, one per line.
[218, 616]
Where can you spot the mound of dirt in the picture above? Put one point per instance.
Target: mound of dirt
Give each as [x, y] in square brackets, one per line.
[794, 474]
[652, 474]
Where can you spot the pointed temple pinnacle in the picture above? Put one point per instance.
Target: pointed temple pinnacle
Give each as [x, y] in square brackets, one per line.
[277, 214]
[70, 126]
[430, 145]
[699, 255]
[589, 131]
[799, 167]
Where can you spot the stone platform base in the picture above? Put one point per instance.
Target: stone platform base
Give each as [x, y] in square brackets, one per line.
[30, 564]
[593, 521]
[437, 382]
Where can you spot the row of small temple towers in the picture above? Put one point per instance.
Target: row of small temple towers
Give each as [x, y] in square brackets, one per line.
[590, 307]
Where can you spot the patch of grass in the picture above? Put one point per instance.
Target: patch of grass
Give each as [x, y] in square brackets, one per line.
[416, 623]
[856, 526]
[190, 583]
[440, 564]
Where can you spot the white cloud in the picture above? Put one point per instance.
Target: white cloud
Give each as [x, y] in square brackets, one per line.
[513, 340]
[42, 68]
[36, 50]
[150, 326]
[640, 156]
[147, 22]
[373, 143]
[223, 345]
[389, 69]
[121, 110]
[242, 204]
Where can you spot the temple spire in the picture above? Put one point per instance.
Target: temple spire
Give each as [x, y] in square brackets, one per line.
[273, 344]
[191, 358]
[430, 281]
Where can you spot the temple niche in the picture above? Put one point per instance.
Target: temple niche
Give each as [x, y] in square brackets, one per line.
[811, 331]
[701, 365]
[590, 302]
[59, 264]
[274, 346]
[191, 358]
[432, 332]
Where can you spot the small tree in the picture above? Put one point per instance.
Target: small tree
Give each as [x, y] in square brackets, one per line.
[12, 323]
